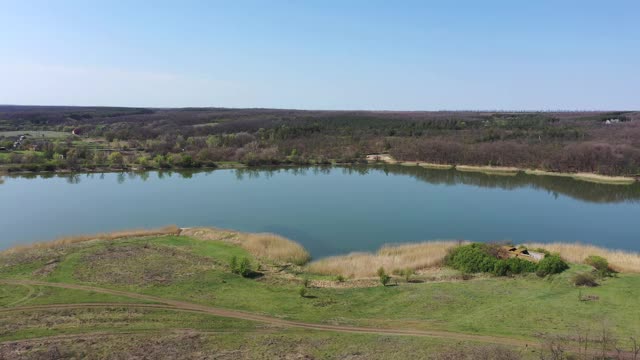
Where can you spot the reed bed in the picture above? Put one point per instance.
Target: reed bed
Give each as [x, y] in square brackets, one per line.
[263, 245]
[70, 240]
[392, 258]
[622, 261]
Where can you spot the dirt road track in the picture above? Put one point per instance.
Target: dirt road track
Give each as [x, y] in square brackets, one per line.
[169, 304]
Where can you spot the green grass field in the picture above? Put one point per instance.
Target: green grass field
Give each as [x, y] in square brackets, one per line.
[197, 271]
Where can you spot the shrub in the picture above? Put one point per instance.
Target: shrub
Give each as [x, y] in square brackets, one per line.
[406, 273]
[472, 258]
[233, 264]
[513, 266]
[600, 264]
[340, 278]
[302, 291]
[500, 268]
[551, 264]
[242, 267]
[305, 282]
[520, 266]
[584, 279]
[384, 278]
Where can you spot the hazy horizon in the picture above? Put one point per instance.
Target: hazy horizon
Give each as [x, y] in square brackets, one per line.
[360, 55]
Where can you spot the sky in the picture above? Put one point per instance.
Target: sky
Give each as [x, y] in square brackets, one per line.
[323, 54]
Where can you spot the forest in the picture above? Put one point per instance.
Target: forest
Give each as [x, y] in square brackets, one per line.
[47, 138]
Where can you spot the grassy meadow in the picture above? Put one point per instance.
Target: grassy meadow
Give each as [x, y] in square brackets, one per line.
[195, 267]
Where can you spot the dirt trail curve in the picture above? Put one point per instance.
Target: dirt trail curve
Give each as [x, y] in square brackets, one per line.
[186, 306]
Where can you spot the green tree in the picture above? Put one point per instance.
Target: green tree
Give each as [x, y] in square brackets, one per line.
[115, 159]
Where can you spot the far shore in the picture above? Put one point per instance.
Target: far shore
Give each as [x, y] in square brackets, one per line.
[507, 171]
[371, 159]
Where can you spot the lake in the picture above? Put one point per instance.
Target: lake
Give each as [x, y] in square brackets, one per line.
[331, 210]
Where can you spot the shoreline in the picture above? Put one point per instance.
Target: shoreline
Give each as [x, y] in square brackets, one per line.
[507, 170]
[362, 264]
[371, 159]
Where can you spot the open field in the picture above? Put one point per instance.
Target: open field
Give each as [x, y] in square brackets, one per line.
[194, 274]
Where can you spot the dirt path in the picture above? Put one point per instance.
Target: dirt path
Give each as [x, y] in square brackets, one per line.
[186, 306]
[30, 293]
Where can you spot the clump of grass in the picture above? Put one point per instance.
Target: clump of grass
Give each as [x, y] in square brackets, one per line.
[393, 258]
[70, 240]
[584, 279]
[621, 261]
[275, 247]
[267, 246]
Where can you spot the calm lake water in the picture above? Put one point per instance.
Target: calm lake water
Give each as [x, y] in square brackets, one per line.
[328, 210]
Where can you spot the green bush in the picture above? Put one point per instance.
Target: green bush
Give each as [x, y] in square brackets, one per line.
[500, 268]
[302, 291]
[384, 278]
[472, 258]
[584, 279]
[551, 264]
[406, 273]
[520, 266]
[233, 264]
[600, 264]
[513, 266]
[340, 278]
[242, 267]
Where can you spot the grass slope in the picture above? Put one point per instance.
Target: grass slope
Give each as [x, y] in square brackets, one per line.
[184, 268]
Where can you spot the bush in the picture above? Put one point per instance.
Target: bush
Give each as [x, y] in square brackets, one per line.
[513, 266]
[584, 279]
[242, 267]
[600, 264]
[384, 278]
[550, 265]
[406, 273]
[302, 291]
[340, 278]
[472, 258]
[520, 266]
[500, 268]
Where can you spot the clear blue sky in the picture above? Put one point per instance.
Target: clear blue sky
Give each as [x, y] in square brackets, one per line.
[396, 55]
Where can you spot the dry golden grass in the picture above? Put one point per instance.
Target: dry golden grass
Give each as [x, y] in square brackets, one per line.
[622, 261]
[391, 257]
[70, 240]
[268, 246]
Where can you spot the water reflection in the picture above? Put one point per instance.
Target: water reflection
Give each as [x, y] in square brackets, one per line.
[554, 185]
[577, 189]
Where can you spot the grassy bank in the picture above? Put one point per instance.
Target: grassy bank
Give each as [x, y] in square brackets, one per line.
[392, 258]
[194, 267]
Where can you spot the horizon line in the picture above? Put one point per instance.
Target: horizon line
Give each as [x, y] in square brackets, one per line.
[325, 110]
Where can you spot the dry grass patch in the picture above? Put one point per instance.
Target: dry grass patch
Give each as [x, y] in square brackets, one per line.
[140, 264]
[392, 258]
[268, 246]
[622, 261]
[70, 240]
